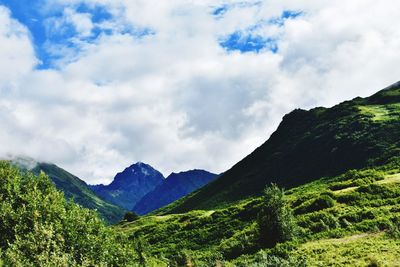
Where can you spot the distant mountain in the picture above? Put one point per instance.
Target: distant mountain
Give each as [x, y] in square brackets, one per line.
[75, 188]
[176, 185]
[310, 144]
[129, 186]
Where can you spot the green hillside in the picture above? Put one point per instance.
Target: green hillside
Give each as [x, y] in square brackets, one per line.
[348, 220]
[75, 188]
[307, 145]
[341, 207]
[341, 169]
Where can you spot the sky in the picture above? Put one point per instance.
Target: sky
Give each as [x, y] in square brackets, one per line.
[96, 85]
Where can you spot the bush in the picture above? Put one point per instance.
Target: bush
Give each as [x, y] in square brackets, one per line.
[324, 201]
[275, 221]
[266, 260]
[38, 227]
[131, 216]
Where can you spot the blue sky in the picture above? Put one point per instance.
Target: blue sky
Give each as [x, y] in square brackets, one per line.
[49, 37]
[41, 19]
[248, 40]
[95, 85]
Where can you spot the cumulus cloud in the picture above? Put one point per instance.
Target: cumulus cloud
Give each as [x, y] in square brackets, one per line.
[149, 80]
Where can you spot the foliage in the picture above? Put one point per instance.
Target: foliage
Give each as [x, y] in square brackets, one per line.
[321, 202]
[40, 228]
[275, 220]
[230, 236]
[76, 189]
[131, 216]
[308, 145]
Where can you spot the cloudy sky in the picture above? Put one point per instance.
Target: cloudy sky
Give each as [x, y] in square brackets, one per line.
[95, 85]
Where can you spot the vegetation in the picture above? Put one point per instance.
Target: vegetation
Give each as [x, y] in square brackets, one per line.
[342, 206]
[361, 220]
[275, 220]
[40, 228]
[76, 189]
[130, 216]
[308, 145]
[342, 168]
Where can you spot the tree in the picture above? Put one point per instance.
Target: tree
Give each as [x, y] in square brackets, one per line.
[131, 216]
[38, 227]
[275, 220]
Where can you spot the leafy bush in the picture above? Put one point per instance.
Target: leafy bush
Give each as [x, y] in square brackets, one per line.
[38, 227]
[266, 260]
[131, 216]
[324, 201]
[275, 221]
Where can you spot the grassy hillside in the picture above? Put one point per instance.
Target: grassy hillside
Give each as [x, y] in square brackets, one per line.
[310, 144]
[351, 219]
[75, 188]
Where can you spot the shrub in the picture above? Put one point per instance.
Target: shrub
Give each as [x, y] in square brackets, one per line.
[324, 201]
[275, 220]
[131, 216]
[266, 260]
[38, 227]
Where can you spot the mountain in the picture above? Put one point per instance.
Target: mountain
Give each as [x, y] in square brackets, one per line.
[130, 185]
[176, 185]
[75, 188]
[341, 168]
[308, 145]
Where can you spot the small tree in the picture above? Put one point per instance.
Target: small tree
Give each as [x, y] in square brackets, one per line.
[275, 220]
[131, 216]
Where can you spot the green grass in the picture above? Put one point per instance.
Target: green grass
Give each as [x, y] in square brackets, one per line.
[381, 112]
[352, 226]
[355, 250]
[307, 145]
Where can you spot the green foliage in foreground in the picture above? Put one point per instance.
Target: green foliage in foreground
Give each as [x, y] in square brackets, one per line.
[76, 189]
[38, 227]
[349, 220]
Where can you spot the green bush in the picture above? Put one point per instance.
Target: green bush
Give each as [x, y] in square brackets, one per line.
[275, 220]
[38, 227]
[324, 201]
[130, 216]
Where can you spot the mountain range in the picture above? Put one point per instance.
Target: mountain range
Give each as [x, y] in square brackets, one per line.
[130, 185]
[139, 188]
[142, 189]
[340, 168]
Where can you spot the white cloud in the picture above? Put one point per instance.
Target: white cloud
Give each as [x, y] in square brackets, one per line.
[16, 53]
[176, 99]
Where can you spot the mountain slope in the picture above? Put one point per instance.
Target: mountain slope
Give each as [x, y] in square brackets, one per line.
[307, 145]
[130, 185]
[174, 187]
[75, 188]
[348, 220]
